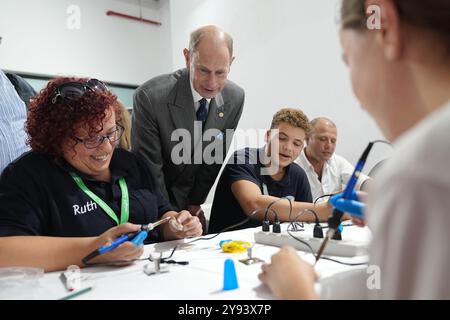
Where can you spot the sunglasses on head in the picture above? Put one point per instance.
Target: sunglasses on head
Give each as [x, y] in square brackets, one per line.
[74, 90]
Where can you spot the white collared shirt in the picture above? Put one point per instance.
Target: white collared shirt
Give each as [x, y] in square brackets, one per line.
[197, 97]
[335, 174]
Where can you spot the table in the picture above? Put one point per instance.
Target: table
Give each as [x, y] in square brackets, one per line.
[201, 279]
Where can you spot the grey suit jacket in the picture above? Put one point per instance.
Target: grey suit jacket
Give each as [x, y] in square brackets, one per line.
[164, 104]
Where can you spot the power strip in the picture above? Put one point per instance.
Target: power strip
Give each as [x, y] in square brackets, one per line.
[355, 241]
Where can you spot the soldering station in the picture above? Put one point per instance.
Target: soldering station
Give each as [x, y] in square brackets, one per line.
[271, 233]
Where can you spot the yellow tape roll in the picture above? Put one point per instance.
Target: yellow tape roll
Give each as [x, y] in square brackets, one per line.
[235, 246]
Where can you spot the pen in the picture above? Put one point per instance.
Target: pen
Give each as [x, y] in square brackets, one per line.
[76, 294]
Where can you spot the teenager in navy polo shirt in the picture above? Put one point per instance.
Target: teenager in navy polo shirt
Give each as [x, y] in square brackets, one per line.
[75, 191]
[255, 178]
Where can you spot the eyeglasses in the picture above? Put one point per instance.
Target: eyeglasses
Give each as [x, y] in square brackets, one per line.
[92, 143]
[74, 90]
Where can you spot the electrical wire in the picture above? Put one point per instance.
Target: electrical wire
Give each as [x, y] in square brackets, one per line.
[312, 250]
[292, 224]
[227, 228]
[166, 259]
[334, 220]
[381, 141]
[288, 198]
[324, 195]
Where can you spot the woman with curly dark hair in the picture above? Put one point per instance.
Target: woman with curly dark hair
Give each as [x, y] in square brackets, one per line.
[75, 191]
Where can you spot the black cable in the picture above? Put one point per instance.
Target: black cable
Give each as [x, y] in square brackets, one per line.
[346, 263]
[303, 211]
[165, 260]
[335, 218]
[276, 227]
[227, 228]
[323, 196]
[296, 226]
[317, 231]
[381, 141]
[333, 194]
[311, 249]
[291, 223]
[323, 257]
[288, 198]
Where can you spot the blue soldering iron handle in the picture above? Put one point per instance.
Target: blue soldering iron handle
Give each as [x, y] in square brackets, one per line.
[352, 205]
[117, 242]
[139, 238]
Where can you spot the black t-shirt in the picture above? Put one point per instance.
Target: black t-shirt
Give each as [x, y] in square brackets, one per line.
[246, 165]
[39, 197]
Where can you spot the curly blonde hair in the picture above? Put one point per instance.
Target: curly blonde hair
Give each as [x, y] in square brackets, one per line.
[292, 116]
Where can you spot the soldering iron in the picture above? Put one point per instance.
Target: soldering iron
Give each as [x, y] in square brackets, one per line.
[334, 220]
[136, 237]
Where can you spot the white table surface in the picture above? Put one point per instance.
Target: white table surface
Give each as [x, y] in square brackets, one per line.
[201, 279]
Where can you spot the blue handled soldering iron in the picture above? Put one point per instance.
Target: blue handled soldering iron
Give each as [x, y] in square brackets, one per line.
[136, 237]
[334, 220]
[352, 206]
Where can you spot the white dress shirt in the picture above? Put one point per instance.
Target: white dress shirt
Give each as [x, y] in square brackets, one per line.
[197, 97]
[335, 174]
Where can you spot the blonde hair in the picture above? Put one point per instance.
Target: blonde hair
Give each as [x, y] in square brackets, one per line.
[292, 116]
[125, 122]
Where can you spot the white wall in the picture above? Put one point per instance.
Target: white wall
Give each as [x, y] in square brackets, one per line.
[36, 39]
[287, 54]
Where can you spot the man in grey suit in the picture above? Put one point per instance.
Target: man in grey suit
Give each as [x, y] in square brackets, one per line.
[171, 113]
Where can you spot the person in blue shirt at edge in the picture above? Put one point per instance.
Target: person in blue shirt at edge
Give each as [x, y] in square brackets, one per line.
[13, 113]
[400, 72]
[67, 196]
[244, 186]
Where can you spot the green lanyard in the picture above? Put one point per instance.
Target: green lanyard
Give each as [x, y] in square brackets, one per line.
[125, 203]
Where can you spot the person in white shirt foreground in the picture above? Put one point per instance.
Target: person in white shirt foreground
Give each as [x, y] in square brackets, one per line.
[405, 87]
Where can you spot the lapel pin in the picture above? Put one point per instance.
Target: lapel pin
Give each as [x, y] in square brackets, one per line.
[221, 114]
